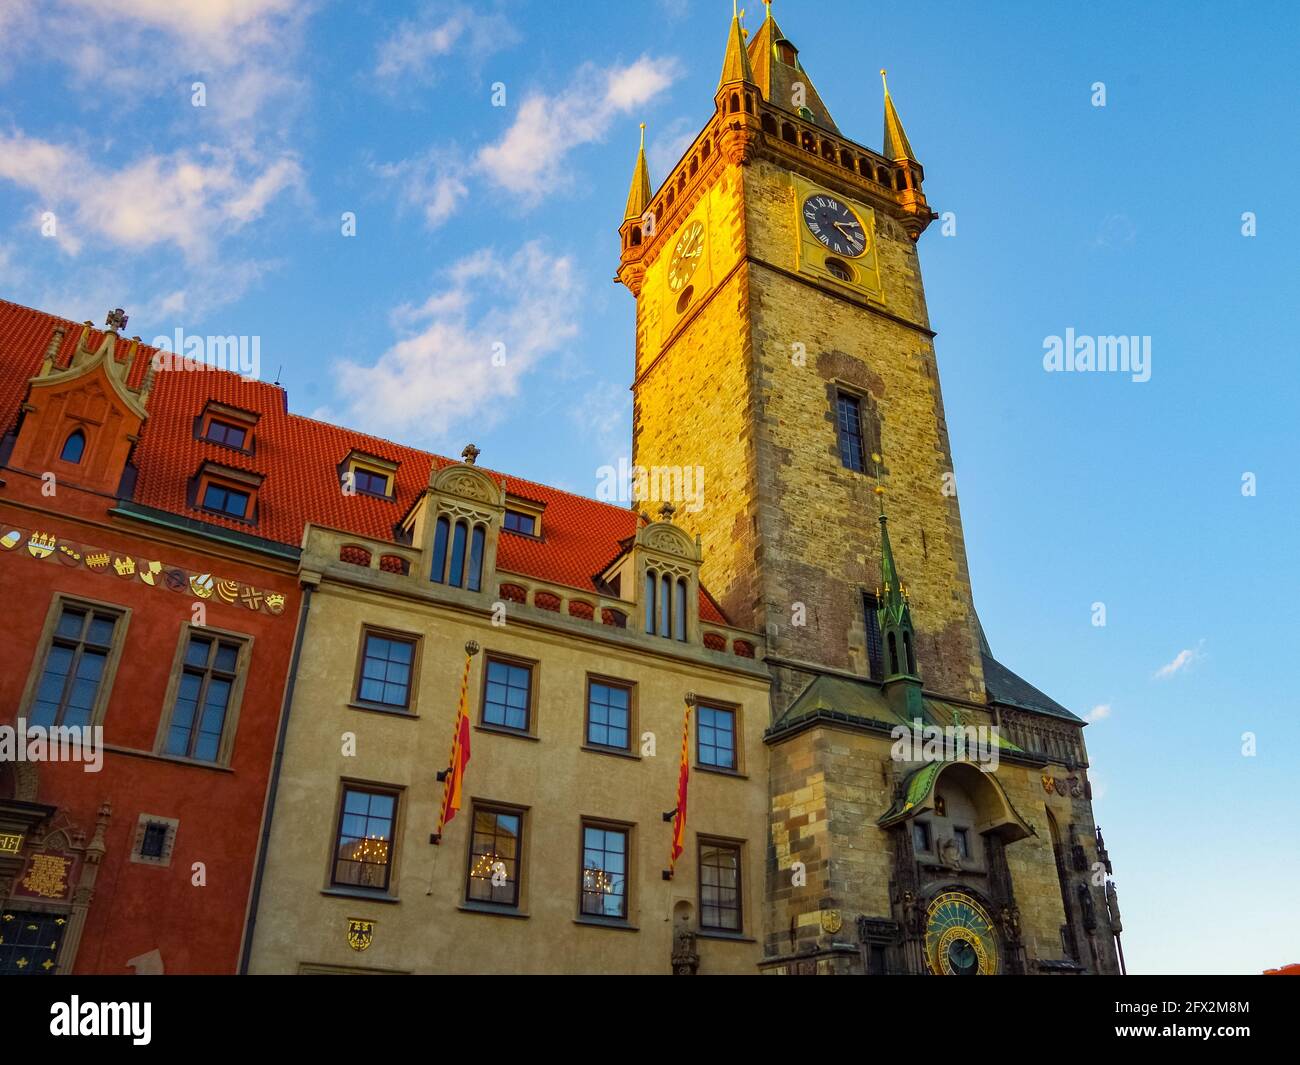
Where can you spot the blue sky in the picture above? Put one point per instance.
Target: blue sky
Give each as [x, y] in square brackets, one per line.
[478, 225]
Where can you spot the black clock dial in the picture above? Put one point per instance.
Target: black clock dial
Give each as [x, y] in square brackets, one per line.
[834, 224]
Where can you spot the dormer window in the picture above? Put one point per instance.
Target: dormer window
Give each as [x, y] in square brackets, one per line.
[228, 426]
[226, 492]
[523, 516]
[222, 499]
[73, 447]
[219, 432]
[518, 522]
[368, 475]
[785, 51]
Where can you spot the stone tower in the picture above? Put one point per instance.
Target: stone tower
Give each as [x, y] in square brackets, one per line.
[783, 352]
[782, 338]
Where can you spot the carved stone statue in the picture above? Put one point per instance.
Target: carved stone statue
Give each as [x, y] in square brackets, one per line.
[1112, 907]
[1009, 918]
[686, 958]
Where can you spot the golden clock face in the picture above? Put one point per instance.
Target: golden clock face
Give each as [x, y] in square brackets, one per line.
[686, 256]
[959, 937]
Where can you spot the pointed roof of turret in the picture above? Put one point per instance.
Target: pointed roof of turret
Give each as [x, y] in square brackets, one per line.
[735, 67]
[777, 78]
[638, 195]
[896, 145]
[893, 592]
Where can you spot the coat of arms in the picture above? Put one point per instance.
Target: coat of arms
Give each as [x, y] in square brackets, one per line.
[360, 933]
[1049, 784]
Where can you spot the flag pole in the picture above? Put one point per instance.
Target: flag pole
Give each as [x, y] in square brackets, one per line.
[452, 778]
[677, 815]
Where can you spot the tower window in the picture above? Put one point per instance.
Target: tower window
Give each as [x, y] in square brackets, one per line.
[848, 417]
[875, 646]
[920, 836]
[841, 271]
[785, 51]
[73, 447]
[962, 837]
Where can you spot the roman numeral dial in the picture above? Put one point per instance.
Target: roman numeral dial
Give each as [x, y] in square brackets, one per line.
[834, 224]
[686, 256]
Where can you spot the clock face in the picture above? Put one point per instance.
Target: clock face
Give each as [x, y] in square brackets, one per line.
[959, 937]
[686, 256]
[834, 224]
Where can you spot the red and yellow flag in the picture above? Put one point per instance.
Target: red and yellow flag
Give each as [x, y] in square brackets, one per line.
[683, 778]
[454, 777]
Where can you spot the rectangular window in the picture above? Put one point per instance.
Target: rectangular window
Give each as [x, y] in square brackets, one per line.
[154, 840]
[604, 871]
[363, 851]
[220, 432]
[848, 419]
[507, 695]
[962, 836]
[518, 522]
[495, 853]
[609, 713]
[369, 482]
[386, 663]
[221, 499]
[201, 710]
[720, 886]
[716, 735]
[76, 662]
[875, 645]
[920, 835]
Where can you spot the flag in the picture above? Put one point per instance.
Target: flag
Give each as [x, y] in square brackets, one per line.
[683, 778]
[453, 778]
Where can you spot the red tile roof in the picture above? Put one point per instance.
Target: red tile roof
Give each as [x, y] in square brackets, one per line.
[299, 459]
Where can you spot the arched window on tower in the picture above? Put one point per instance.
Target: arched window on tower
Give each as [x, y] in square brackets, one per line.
[911, 657]
[651, 582]
[456, 577]
[73, 447]
[893, 655]
[474, 578]
[679, 611]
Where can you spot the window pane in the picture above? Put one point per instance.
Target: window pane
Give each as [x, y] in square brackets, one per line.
[70, 622]
[507, 697]
[607, 715]
[386, 671]
[438, 571]
[604, 865]
[196, 654]
[679, 612]
[720, 887]
[474, 578]
[363, 850]
[101, 630]
[849, 420]
[227, 657]
[456, 577]
[717, 737]
[494, 857]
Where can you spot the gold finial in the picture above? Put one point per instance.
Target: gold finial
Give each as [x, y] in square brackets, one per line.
[643, 136]
[883, 81]
[878, 488]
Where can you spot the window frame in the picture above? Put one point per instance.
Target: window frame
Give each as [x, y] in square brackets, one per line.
[625, 829]
[229, 727]
[621, 685]
[704, 703]
[737, 846]
[360, 462]
[842, 394]
[407, 709]
[928, 831]
[389, 888]
[211, 474]
[489, 806]
[46, 640]
[233, 417]
[530, 728]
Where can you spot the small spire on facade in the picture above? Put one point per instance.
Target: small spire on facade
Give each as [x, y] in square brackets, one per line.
[896, 144]
[638, 194]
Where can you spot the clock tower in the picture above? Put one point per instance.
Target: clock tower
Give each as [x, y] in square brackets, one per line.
[782, 339]
[785, 370]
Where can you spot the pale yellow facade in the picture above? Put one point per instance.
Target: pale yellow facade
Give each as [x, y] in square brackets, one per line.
[423, 922]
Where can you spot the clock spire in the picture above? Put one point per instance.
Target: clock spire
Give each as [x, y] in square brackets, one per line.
[638, 195]
[736, 66]
[896, 145]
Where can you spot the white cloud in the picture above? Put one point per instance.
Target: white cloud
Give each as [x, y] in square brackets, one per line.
[434, 183]
[187, 200]
[412, 51]
[669, 143]
[528, 159]
[1098, 713]
[1180, 662]
[604, 418]
[441, 373]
